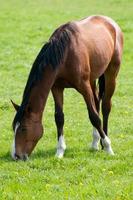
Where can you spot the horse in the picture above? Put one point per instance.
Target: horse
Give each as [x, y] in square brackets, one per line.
[84, 55]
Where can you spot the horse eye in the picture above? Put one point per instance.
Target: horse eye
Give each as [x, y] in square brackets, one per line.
[23, 129]
[29, 109]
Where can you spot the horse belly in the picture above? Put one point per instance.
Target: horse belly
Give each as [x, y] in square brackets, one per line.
[98, 64]
[100, 55]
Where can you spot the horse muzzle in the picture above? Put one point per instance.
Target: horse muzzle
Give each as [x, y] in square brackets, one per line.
[18, 157]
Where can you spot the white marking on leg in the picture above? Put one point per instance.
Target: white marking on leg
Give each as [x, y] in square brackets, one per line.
[61, 147]
[13, 149]
[107, 145]
[96, 138]
[13, 145]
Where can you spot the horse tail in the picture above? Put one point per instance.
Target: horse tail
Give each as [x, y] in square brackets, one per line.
[101, 83]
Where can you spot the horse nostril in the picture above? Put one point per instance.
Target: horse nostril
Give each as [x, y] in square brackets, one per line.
[17, 157]
[25, 157]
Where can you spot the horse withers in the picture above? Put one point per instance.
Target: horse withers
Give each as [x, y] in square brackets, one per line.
[77, 55]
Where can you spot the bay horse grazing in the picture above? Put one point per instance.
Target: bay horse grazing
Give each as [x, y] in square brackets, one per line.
[77, 55]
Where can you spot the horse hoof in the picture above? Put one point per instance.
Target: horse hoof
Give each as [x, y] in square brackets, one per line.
[94, 148]
[60, 153]
[59, 156]
[106, 143]
[109, 151]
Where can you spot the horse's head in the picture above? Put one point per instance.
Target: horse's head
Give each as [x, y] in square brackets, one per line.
[27, 133]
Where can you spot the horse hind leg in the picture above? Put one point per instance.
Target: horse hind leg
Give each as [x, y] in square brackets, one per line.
[106, 101]
[95, 134]
[94, 117]
[98, 94]
[59, 120]
[110, 83]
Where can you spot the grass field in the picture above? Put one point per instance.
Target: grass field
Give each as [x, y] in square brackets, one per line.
[81, 174]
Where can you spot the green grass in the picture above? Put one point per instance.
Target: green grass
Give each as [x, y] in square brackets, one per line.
[81, 174]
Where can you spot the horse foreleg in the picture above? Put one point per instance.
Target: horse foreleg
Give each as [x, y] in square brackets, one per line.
[59, 120]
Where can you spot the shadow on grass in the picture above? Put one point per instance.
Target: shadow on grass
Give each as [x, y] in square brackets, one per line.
[43, 154]
[78, 152]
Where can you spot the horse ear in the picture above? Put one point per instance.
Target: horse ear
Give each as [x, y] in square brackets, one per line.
[15, 105]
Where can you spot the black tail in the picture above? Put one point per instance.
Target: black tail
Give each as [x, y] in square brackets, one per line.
[101, 83]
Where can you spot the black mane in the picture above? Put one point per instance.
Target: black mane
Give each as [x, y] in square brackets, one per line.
[51, 55]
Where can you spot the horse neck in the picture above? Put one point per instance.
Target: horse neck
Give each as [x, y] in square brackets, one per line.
[39, 94]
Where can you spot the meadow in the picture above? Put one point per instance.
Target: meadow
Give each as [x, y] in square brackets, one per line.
[82, 174]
